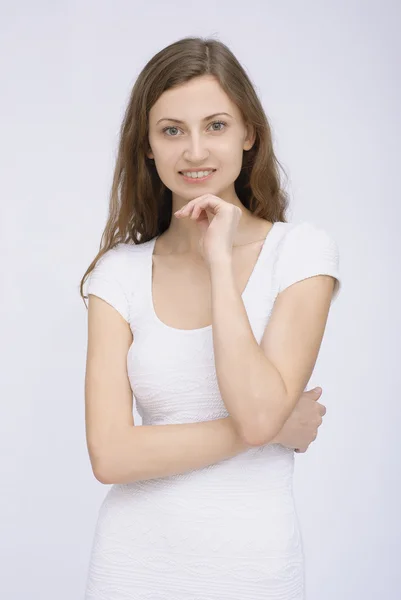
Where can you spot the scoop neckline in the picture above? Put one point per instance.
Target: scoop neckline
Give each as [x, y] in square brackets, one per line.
[266, 243]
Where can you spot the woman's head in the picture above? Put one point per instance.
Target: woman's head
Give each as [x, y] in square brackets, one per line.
[195, 126]
[187, 81]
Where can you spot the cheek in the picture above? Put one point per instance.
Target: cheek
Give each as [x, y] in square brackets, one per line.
[166, 166]
[166, 156]
[229, 148]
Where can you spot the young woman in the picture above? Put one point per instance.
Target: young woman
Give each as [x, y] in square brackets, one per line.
[212, 318]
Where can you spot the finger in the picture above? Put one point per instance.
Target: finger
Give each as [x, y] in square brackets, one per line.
[189, 205]
[199, 199]
[196, 212]
[209, 202]
[315, 393]
[187, 209]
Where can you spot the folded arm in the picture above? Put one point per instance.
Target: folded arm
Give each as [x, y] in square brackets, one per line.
[260, 384]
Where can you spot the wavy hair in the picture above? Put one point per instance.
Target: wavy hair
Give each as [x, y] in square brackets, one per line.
[140, 205]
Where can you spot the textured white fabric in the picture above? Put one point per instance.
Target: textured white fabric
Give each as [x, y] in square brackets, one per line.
[228, 531]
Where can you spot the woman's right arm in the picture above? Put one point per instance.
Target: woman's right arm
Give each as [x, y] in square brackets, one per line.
[121, 452]
[151, 451]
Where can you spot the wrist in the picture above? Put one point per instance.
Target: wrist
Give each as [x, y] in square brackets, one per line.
[223, 262]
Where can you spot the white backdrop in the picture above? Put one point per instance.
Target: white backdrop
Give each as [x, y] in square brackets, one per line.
[328, 73]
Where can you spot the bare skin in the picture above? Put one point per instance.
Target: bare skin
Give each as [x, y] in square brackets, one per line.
[181, 286]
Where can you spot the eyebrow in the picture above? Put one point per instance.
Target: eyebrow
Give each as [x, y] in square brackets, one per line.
[183, 122]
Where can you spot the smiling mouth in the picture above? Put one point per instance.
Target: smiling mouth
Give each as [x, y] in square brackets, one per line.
[199, 171]
[190, 179]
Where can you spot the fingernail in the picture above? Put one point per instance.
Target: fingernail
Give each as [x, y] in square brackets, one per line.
[318, 389]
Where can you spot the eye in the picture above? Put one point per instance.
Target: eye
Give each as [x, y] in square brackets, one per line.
[214, 123]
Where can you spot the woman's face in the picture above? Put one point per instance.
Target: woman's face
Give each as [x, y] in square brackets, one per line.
[181, 138]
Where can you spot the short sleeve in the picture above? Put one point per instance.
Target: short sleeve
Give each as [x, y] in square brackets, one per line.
[108, 280]
[307, 250]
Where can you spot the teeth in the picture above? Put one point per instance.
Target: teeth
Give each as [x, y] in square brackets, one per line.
[196, 174]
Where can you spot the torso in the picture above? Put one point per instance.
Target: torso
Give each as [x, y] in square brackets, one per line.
[181, 287]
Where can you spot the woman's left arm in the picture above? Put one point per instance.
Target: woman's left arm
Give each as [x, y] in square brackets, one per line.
[261, 384]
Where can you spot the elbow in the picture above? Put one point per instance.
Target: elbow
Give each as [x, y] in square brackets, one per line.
[107, 461]
[102, 473]
[98, 462]
[259, 433]
[113, 471]
[102, 463]
[103, 477]
[264, 428]
[109, 476]
[256, 439]
[117, 460]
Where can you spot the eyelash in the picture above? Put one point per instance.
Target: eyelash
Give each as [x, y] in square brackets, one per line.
[213, 123]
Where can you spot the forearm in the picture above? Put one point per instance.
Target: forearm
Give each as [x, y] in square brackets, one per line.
[251, 387]
[152, 451]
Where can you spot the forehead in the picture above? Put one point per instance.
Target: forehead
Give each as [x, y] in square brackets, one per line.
[193, 101]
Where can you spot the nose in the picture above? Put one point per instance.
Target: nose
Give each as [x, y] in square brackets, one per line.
[195, 151]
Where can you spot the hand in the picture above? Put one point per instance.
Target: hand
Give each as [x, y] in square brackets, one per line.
[218, 221]
[300, 429]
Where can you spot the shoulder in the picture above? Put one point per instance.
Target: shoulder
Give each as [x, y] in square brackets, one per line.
[303, 237]
[120, 258]
[304, 233]
[123, 251]
[117, 275]
[306, 249]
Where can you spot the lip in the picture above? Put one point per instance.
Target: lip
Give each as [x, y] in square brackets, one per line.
[198, 179]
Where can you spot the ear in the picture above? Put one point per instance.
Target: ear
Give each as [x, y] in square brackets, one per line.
[250, 137]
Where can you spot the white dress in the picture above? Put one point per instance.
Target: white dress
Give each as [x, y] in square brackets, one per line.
[228, 531]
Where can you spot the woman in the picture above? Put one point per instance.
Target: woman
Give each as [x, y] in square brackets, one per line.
[212, 317]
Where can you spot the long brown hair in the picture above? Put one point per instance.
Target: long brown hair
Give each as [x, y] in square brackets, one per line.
[140, 205]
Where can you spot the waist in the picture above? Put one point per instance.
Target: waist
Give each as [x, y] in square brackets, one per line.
[252, 478]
